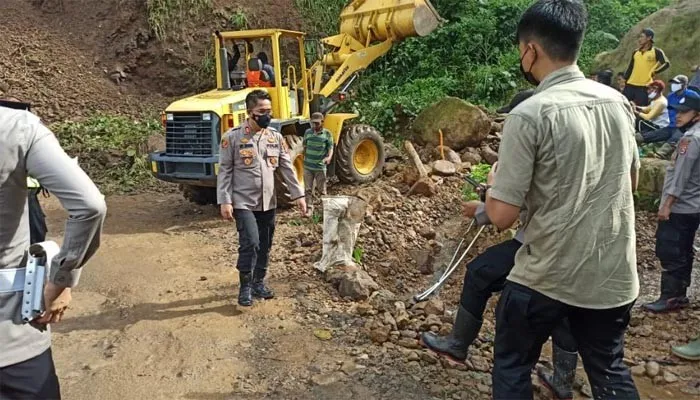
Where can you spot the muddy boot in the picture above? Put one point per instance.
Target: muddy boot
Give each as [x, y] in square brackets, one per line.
[690, 351]
[455, 345]
[245, 293]
[673, 296]
[259, 288]
[665, 151]
[561, 381]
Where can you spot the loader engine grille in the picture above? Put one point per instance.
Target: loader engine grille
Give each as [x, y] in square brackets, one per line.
[191, 134]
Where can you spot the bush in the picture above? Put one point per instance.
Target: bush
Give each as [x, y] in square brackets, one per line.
[112, 149]
[479, 173]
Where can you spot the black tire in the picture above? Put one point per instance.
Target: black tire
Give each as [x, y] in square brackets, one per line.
[345, 157]
[199, 194]
[296, 149]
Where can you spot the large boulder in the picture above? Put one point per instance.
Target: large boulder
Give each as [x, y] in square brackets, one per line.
[676, 32]
[651, 176]
[463, 124]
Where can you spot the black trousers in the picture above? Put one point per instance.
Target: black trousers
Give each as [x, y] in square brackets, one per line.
[34, 379]
[255, 232]
[637, 94]
[674, 245]
[37, 219]
[487, 274]
[524, 321]
[666, 134]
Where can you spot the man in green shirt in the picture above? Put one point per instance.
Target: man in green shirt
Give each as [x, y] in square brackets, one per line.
[318, 153]
[568, 154]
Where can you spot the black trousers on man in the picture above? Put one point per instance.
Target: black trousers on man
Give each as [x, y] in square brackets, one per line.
[487, 274]
[255, 232]
[34, 379]
[674, 245]
[637, 94]
[524, 321]
[37, 219]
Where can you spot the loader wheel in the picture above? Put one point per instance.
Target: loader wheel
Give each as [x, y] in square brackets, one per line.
[359, 154]
[296, 149]
[199, 194]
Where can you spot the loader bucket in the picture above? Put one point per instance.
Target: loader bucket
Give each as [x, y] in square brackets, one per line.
[388, 19]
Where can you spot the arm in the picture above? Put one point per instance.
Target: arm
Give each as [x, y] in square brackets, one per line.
[329, 148]
[630, 67]
[224, 180]
[514, 173]
[480, 216]
[662, 62]
[653, 111]
[58, 173]
[687, 155]
[287, 170]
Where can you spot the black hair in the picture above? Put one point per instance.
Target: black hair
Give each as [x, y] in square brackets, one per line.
[605, 77]
[620, 74]
[557, 25]
[263, 58]
[252, 99]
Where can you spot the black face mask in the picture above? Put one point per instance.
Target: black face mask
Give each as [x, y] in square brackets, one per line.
[263, 120]
[528, 75]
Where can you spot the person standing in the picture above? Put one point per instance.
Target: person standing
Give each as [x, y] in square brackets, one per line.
[679, 211]
[27, 147]
[318, 153]
[568, 154]
[249, 154]
[654, 116]
[646, 63]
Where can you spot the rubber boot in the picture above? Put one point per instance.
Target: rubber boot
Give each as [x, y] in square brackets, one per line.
[259, 288]
[673, 296]
[690, 351]
[455, 345]
[561, 381]
[245, 293]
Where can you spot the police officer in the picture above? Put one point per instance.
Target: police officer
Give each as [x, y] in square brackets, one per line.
[248, 157]
[28, 148]
[679, 211]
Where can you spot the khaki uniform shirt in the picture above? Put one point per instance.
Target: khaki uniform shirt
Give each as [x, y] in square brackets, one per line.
[247, 164]
[683, 174]
[28, 148]
[566, 154]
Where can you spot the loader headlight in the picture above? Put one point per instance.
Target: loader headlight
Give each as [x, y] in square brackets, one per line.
[206, 117]
[169, 117]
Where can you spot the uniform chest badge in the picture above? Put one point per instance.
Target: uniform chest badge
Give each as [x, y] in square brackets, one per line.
[273, 160]
[271, 139]
[248, 160]
[245, 140]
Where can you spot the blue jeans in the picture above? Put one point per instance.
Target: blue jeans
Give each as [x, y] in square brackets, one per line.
[667, 134]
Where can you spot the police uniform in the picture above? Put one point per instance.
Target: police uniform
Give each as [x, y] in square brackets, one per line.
[247, 163]
[28, 148]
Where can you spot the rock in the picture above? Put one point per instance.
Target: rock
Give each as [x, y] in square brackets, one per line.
[652, 369]
[444, 168]
[350, 368]
[658, 380]
[496, 127]
[636, 320]
[638, 370]
[364, 309]
[357, 285]
[488, 154]
[409, 334]
[424, 187]
[424, 260]
[450, 155]
[380, 335]
[483, 388]
[389, 320]
[401, 316]
[336, 274]
[408, 343]
[428, 233]
[670, 377]
[390, 168]
[645, 331]
[430, 322]
[445, 329]
[434, 307]
[391, 152]
[413, 356]
[327, 379]
[429, 357]
[471, 156]
[382, 300]
[479, 363]
[651, 175]
[155, 143]
[463, 124]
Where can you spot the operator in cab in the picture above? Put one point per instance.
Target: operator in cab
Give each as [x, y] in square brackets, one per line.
[249, 155]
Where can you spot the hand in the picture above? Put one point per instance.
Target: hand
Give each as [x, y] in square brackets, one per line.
[492, 174]
[664, 213]
[302, 206]
[327, 160]
[56, 301]
[469, 208]
[227, 212]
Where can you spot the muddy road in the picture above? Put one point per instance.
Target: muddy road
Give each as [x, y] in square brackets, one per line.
[155, 317]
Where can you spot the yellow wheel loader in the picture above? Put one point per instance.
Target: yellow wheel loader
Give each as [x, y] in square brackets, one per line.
[302, 76]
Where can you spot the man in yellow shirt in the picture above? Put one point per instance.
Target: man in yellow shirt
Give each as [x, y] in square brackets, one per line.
[646, 62]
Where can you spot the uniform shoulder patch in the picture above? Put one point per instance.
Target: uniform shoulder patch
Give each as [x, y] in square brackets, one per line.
[683, 146]
[225, 141]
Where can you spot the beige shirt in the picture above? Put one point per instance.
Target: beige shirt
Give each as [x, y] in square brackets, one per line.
[566, 154]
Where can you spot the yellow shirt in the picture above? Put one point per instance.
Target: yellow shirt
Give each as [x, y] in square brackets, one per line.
[644, 65]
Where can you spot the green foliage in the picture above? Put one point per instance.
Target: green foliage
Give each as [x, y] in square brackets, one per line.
[479, 173]
[203, 75]
[167, 16]
[357, 255]
[646, 202]
[112, 148]
[238, 20]
[321, 16]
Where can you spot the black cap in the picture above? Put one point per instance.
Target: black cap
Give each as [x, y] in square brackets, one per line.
[517, 99]
[649, 32]
[691, 101]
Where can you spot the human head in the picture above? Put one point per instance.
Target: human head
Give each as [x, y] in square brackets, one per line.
[646, 38]
[621, 80]
[259, 106]
[262, 56]
[605, 77]
[656, 88]
[517, 99]
[679, 83]
[549, 36]
[317, 121]
[688, 110]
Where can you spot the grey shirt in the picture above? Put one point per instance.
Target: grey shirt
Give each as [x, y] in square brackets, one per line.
[567, 154]
[483, 219]
[28, 148]
[247, 165]
[683, 174]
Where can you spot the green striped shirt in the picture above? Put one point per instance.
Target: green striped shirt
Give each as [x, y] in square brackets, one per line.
[317, 146]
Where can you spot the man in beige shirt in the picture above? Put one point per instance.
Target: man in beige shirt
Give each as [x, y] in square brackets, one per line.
[569, 155]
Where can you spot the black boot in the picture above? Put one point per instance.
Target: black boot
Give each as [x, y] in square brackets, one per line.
[455, 345]
[245, 293]
[259, 288]
[561, 381]
[673, 295]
